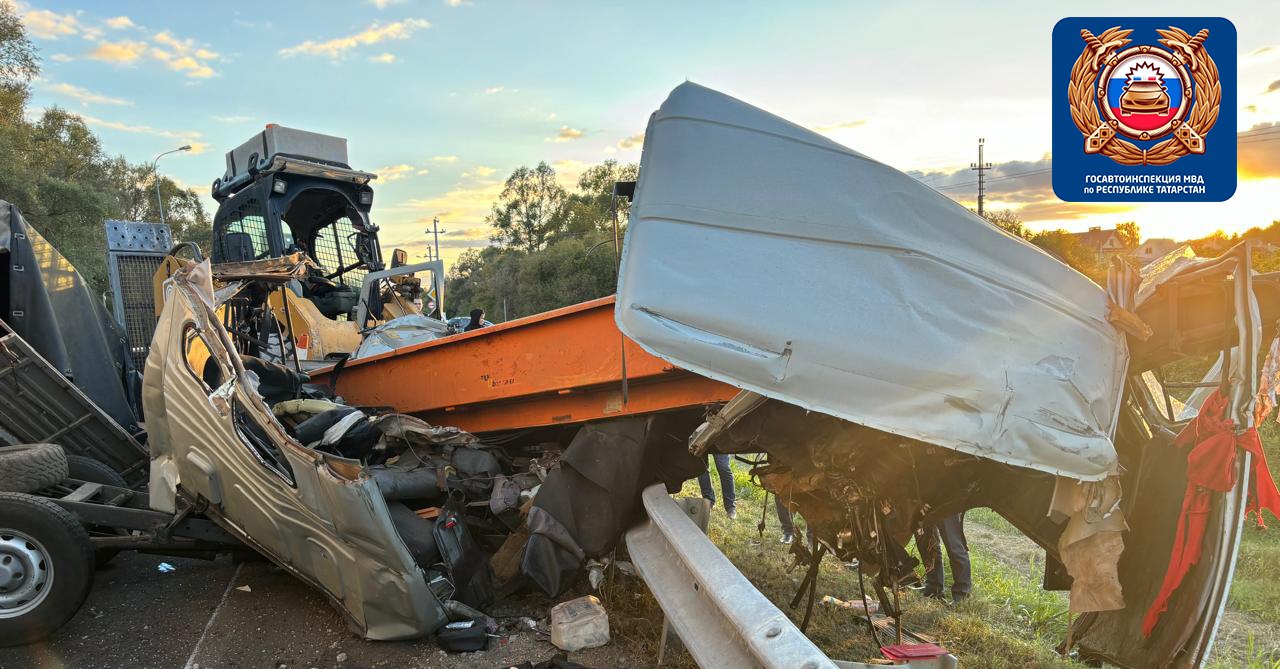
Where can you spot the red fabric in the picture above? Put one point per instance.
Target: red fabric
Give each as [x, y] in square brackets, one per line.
[910, 651]
[1210, 468]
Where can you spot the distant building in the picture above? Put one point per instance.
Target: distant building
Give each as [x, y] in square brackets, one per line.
[1104, 243]
[1153, 249]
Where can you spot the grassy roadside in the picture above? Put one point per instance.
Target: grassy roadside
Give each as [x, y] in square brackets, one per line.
[1009, 623]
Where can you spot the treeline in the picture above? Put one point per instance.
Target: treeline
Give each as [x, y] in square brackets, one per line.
[55, 170]
[553, 247]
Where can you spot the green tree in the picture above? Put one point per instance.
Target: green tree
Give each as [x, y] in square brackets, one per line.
[530, 209]
[1066, 247]
[589, 210]
[1129, 234]
[1009, 221]
[19, 64]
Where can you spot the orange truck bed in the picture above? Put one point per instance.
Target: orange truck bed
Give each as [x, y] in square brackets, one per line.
[561, 366]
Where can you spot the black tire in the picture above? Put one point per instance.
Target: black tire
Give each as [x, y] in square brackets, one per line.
[94, 471]
[36, 533]
[88, 469]
[31, 467]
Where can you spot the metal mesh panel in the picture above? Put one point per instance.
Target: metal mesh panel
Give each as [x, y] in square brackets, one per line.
[334, 249]
[247, 220]
[136, 273]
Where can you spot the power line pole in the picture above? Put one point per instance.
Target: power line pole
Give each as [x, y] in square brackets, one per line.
[982, 168]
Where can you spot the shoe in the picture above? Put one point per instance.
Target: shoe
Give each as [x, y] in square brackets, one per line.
[733, 514]
[932, 594]
[787, 538]
[959, 598]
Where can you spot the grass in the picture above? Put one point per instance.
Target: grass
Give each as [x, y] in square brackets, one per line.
[1008, 623]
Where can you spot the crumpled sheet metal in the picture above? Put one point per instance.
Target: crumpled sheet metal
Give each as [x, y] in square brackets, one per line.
[873, 297]
[1092, 542]
[273, 270]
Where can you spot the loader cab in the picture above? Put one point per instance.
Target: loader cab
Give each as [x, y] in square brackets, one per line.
[287, 191]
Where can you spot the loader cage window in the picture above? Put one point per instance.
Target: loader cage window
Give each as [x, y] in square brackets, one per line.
[335, 250]
[245, 232]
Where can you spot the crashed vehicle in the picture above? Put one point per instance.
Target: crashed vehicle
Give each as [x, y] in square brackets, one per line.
[917, 361]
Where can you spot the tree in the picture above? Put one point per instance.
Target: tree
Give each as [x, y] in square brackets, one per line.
[530, 209]
[18, 63]
[1066, 247]
[589, 210]
[1129, 234]
[1009, 221]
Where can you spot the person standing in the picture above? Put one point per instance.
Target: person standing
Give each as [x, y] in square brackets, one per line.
[724, 467]
[787, 521]
[477, 320]
[951, 531]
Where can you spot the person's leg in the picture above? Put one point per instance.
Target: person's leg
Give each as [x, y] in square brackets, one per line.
[784, 520]
[724, 466]
[704, 485]
[931, 554]
[958, 555]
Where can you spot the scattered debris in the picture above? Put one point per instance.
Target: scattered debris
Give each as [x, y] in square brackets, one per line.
[865, 605]
[165, 568]
[579, 623]
[463, 636]
[244, 588]
[560, 661]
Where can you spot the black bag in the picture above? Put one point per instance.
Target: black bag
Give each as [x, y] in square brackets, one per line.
[463, 636]
[466, 564]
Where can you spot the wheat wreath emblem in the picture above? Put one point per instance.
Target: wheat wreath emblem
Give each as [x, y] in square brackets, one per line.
[1087, 92]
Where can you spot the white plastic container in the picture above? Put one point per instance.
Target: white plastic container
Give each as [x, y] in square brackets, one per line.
[579, 623]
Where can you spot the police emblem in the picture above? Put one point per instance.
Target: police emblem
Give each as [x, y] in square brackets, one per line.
[1123, 94]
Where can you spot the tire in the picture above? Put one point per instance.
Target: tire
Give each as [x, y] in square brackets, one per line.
[94, 471]
[88, 469]
[31, 467]
[46, 567]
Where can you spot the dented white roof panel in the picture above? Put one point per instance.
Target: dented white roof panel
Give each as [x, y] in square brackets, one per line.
[764, 255]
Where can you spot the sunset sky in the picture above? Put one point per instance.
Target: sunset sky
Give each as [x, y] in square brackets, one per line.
[443, 98]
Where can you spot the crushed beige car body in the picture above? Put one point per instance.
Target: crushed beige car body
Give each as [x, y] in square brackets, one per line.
[318, 516]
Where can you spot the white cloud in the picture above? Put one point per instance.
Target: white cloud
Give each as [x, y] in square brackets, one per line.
[631, 142]
[375, 33]
[120, 22]
[423, 172]
[458, 3]
[233, 118]
[386, 58]
[45, 24]
[444, 159]
[479, 172]
[61, 58]
[179, 55]
[85, 96]
[394, 172]
[383, 4]
[567, 134]
[493, 90]
[186, 136]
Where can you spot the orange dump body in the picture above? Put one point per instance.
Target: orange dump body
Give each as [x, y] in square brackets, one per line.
[562, 366]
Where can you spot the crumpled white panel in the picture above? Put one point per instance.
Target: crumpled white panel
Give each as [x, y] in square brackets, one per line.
[766, 256]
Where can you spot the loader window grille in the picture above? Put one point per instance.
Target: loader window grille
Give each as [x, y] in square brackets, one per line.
[335, 250]
[136, 273]
[247, 220]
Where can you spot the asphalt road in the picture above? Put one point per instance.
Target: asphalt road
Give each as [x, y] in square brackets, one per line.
[199, 616]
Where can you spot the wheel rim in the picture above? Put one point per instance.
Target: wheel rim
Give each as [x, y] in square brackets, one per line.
[26, 573]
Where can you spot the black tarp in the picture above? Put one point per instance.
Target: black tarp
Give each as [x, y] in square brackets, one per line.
[594, 496]
[49, 305]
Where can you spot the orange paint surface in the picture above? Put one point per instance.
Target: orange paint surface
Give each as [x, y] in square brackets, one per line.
[561, 366]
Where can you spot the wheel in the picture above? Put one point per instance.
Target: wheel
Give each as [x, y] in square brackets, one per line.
[31, 467]
[46, 567]
[92, 470]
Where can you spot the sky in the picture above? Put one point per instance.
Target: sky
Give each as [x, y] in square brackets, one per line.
[444, 98]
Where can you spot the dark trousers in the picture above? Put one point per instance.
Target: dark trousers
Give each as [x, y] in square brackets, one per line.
[951, 530]
[788, 524]
[724, 466]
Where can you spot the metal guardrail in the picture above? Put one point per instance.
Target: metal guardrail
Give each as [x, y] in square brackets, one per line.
[720, 617]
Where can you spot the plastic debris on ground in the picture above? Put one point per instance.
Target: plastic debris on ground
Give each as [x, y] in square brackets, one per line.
[579, 623]
[165, 568]
[865, 605]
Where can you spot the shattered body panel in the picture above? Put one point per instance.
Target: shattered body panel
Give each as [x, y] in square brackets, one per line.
[887, 304]
[916, 362]
[318, 516]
